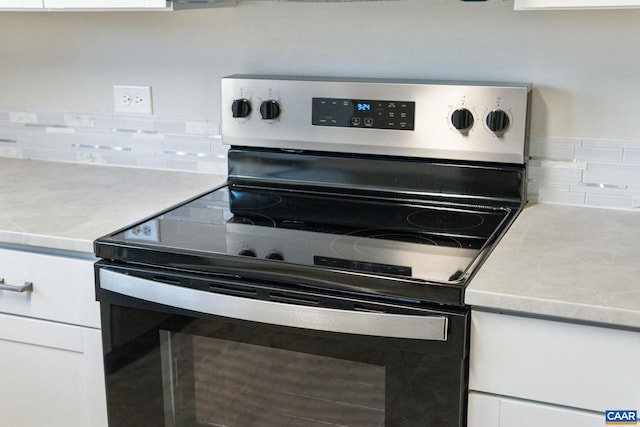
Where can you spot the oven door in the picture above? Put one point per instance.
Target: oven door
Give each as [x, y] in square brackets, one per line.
[221, 353]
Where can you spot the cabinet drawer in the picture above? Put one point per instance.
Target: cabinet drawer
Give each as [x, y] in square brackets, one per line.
[579, 366]
[496, 411]
[63, 287]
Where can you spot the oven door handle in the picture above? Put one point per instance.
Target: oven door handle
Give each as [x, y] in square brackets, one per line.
[433, 328]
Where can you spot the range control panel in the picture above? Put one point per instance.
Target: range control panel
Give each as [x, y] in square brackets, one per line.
[374, 114]
[440, 120]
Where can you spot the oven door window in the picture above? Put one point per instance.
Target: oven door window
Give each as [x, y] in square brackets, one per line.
[215, 382]
[175, 370]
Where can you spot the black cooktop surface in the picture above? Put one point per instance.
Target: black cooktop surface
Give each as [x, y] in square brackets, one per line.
[403, 238]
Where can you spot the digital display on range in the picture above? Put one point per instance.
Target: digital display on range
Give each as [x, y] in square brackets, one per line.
[362, 113]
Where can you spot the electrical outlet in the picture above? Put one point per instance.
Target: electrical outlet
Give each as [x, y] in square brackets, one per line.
[132, 99]
[148, 231]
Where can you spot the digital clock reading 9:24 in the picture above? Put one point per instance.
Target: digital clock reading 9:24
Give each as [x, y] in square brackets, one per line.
[364, 106]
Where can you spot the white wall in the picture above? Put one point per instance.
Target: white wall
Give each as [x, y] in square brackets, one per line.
[585, 65]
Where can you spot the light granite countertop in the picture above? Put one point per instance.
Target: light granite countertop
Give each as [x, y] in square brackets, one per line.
[566, 262]
[66, 206]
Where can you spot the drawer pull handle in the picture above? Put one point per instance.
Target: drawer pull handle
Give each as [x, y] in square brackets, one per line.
[27, 287]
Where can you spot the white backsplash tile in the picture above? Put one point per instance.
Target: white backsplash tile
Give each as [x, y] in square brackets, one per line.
[555, 173]
[608, 201]
[607, 189]
[140, 124]
[553, 148]
[618, 175]
[562, 197]
[23, 117]
[591, 172]
[187, 144]
[79, 120]
[631, 156]
[606, 143]
[613, 155]
[202, 128]
[9, 151]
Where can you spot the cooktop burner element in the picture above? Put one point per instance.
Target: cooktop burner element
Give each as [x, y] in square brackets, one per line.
[445, 220]
[376, 187]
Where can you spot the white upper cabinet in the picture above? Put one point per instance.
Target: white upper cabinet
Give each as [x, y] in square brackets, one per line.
[21, 4]
[83, 4]
[575, 4]
[105, 4]
[96, 5]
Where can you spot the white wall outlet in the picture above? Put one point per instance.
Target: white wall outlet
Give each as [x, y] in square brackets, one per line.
[132, 99]
[148, 231]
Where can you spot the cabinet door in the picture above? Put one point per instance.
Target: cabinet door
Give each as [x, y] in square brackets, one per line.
[104, 4]
[566, 364]
[20, 4]
[52, 374]
[495, 411]
[63, 287]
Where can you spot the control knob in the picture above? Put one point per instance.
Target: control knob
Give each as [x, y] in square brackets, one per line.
[275, 255]
[247, 252]
[497, 120]
[270, 109]
[462, 119]
[241, 108]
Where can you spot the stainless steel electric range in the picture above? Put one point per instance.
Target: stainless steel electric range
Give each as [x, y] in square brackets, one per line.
[323, 284]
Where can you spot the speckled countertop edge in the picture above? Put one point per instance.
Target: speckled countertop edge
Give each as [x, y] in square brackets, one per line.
[567, 262]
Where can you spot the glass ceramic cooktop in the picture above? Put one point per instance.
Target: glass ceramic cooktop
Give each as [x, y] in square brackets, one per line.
[354, 233]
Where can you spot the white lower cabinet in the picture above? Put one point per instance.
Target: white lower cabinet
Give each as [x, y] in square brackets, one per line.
[51, 369]
[497, 411]
[51, 374]
[527, 372]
